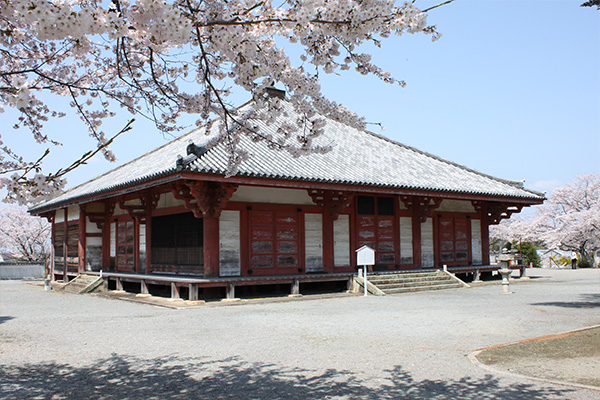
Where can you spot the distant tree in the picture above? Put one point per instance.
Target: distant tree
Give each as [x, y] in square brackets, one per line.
[570, 219]
[515, 234]
[23, 235]
[529, 252]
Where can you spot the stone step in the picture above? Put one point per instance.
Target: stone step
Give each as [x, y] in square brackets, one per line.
[417, 284]
[74, 287]
[422, 288]
[404, 282]
[80, 283]
[84, 279]
[403, 275]
[392, 280]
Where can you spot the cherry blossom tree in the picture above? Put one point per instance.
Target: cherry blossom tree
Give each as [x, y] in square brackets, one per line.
[515, 233]
[570, 219]
[592, 3]
[509, 230]
[23, 235]
[161, 59]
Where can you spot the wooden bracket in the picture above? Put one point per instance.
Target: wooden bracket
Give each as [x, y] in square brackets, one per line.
[496, 212]
[478, 205]
[499, 211]
[182, 192]
[96, 218]
[424, 204]
[338, 201]
[148, 202]
[204, 199]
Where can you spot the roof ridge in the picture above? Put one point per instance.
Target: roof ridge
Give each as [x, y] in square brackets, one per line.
[163, 160]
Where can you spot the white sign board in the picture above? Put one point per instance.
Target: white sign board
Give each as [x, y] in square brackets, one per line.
[365, 256]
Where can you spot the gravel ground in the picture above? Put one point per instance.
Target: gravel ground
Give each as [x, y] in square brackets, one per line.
[63, 346]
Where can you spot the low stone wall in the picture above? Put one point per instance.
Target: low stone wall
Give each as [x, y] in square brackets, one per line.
[22, 271]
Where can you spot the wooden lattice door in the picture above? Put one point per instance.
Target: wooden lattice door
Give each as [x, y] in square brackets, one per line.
[454, 240]
[274, 242]
[377, 232]
[126, 246]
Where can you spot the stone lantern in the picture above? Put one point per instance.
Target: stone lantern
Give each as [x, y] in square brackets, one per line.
[505, 258]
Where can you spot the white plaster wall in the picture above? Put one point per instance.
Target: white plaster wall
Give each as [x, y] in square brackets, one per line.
[456, 206]
[313, 242]
[427, 258]
[476, 249]
[73, 213]
[229, 239]
[113, 239]
[257, 194]
[341, 241]
[406, 244]
[142, 239]
[59, 216]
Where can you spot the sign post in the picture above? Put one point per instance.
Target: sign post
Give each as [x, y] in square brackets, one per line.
[365, 256]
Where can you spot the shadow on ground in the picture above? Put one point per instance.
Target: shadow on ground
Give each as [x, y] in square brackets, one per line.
[591, 300]
[121, 377]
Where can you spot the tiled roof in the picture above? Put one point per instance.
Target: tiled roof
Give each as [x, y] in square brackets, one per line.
[358, 158]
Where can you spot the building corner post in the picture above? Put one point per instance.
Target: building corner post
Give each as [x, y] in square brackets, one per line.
[211, 246]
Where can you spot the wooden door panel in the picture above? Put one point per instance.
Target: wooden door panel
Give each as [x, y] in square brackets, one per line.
[274, 242]
[262, 247]
[261, 218]
[262, 261]
[454, 240]
[378, 233]
[125, 246]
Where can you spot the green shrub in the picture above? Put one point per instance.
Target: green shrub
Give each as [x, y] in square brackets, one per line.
[529, 251]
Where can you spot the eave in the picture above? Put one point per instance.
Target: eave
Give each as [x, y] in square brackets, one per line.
[170, 176]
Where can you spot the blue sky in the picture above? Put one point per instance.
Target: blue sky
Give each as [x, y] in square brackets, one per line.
[512, 89]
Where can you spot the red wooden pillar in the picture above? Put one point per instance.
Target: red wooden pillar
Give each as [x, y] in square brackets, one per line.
[328, 253]
[136, 244]
[106, 244]
[353, 235]
[65, 244]
[148, 226]
[82, 239]
[416, 237]
[485, 235]
[437, 257]
[398, 256]
[106, 226]
[470, 240]
[53, 253]
[211, 198]
[211, 246]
